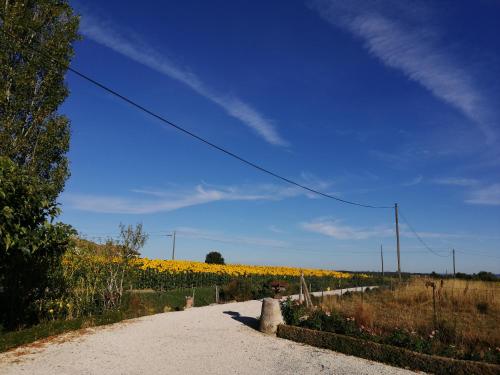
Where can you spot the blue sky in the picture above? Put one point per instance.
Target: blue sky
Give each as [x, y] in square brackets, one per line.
[375, 102]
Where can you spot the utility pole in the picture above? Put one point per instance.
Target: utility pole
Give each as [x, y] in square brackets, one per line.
[397, 239]
[453, 263]
[173, 246]
[382, 259]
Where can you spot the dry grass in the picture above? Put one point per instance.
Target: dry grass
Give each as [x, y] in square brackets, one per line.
[469, 311]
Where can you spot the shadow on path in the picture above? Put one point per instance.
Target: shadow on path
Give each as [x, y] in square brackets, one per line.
[246, 320]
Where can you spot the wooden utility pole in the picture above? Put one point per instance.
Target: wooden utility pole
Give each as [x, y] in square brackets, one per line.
[173, 246]
[453, 263]
[382, 259]
[397, 239]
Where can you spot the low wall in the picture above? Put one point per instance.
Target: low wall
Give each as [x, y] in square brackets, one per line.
[386, 353]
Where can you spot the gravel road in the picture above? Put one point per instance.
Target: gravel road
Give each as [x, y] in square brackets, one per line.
[217, 339]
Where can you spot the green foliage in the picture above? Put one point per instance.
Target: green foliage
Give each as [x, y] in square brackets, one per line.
[97, 275]
[297, 314]
[408, 340]
[292, 311]
[245, 289]
[31, 246]
[132, 240]
[32, 87]
[214, 257]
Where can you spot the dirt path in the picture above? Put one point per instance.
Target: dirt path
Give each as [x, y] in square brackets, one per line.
[215, 339]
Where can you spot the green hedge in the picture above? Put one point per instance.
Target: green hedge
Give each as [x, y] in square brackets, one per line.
[386, 353]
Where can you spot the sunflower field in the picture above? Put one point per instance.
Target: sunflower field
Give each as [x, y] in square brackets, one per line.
[97, 277]
[170, 274]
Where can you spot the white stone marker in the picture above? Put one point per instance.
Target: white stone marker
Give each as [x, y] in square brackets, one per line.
[270, 316]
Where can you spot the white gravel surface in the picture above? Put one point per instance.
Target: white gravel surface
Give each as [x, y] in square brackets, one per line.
[214, 339]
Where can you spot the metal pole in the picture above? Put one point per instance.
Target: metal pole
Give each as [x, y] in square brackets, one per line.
[173, 246]
[397, 239]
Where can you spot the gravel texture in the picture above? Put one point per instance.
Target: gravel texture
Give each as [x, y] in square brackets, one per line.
[217, 339]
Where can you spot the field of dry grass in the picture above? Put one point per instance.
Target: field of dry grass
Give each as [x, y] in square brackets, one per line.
[466, 313]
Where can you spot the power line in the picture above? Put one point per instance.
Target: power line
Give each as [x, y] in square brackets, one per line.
[420, 238]
[193, 135]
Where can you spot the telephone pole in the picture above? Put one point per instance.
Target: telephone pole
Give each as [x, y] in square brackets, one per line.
[397, 239]
[453, 263]
[382, 259]
[173, 246]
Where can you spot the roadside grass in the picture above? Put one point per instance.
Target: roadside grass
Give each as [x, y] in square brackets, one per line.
[134, 304]
[464, 320]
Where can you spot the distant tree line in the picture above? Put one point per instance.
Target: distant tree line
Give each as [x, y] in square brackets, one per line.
[481, 275]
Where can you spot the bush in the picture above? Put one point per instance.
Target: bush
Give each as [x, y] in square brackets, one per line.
[245, 289]
[31, 246]
[292, 311]
[408, 340]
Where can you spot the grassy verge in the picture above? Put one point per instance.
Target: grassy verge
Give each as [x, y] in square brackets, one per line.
[450, 318]
[386, 353]
[134, 305]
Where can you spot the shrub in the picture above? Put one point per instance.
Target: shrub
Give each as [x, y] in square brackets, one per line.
[238, 290]
[292, 311]
[31, 246]
[408, 340]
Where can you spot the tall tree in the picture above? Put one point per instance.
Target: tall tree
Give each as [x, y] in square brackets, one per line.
[36, 39]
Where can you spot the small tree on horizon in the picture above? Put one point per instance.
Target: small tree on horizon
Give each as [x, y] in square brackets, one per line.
[214, 257]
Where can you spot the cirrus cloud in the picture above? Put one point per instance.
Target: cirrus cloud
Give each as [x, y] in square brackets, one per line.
[396, 35]
[103, 33]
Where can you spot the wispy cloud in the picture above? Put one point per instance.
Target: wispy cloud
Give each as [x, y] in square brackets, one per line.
[105, 34]
[275, 229]
[337, 229]
[395, 35]
[456, 181]
[417, 180]
[148, 201]
[217, 236]
[489, 195]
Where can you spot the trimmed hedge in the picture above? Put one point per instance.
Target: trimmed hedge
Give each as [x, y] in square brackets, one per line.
[386, 353]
